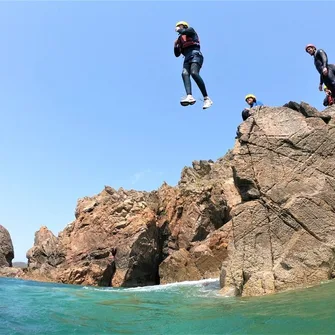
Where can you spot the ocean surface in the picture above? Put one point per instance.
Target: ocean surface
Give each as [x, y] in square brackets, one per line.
[28, 307]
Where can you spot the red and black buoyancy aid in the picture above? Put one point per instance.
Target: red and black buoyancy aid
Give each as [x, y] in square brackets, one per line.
[187, 41]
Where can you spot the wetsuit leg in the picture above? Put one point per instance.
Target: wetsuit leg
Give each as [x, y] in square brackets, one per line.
[331, 78]
[195, 68]
[186, 77]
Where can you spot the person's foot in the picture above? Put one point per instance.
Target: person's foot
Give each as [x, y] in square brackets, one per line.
[207, 103]
[188, 100]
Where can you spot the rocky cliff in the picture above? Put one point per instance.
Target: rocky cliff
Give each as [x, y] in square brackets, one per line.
[284, 228]
[7, 255]
[262, 217]
[6, 248]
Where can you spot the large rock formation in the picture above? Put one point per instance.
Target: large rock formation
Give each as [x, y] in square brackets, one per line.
[284, 228]
[6, 248]
[146, 229]
[7, 255]
[262, 217]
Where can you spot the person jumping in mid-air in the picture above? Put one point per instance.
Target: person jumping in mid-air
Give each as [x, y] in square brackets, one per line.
[188, 44]
[252, 101]
[326, 71]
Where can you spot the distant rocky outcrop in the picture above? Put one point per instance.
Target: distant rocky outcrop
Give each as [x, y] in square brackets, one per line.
[262, 217]
[7, 255]
[6, 248]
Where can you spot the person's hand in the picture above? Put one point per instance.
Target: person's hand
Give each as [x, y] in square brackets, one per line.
[325, 71]
[320, 87]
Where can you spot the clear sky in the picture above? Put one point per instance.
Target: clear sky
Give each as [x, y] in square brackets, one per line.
[89, 94]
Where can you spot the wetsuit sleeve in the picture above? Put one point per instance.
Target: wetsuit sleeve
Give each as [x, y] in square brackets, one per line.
[323, 57]
[321, 80]
[188, 31]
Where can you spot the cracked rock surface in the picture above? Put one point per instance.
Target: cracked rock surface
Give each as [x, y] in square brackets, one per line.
[284, 229]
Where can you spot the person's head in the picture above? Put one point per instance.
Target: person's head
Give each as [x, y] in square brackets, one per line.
[310, 48]
[327, 90]
[182, 24]
[250, 99]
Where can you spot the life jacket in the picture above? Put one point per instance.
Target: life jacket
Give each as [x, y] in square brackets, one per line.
[187, 41]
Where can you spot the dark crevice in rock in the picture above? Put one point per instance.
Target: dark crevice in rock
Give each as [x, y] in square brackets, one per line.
[246, 276]
[164, 234]
[107, 277]
[179, 211]
[9, 257]
[200, 235]
[247, 188]
[98, 254]
[144, 259]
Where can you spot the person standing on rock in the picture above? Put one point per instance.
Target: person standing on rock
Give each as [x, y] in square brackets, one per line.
[328, 100]
[326, 71]
[188, 44]
[252, 101]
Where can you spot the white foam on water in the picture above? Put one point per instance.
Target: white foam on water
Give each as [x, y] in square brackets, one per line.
[197, 283]
[202, 284]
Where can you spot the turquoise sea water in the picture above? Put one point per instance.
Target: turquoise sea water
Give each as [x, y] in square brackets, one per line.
[28, 307]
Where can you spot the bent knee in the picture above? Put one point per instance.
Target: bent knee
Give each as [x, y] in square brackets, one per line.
[194, 73]
[185, 73]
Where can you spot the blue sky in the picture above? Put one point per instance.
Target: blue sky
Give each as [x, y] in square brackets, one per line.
[89, 94]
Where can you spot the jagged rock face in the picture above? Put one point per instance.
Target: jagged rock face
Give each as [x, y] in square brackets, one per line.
[82, 253]
[6, 248]
[284, 230]
[202, 260]
[262, 217]
[46, 251]
[144, 227]
[201, 205]
[196, 213]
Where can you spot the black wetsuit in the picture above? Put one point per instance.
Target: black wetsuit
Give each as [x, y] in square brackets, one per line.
[193, 59]
[321, 62]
